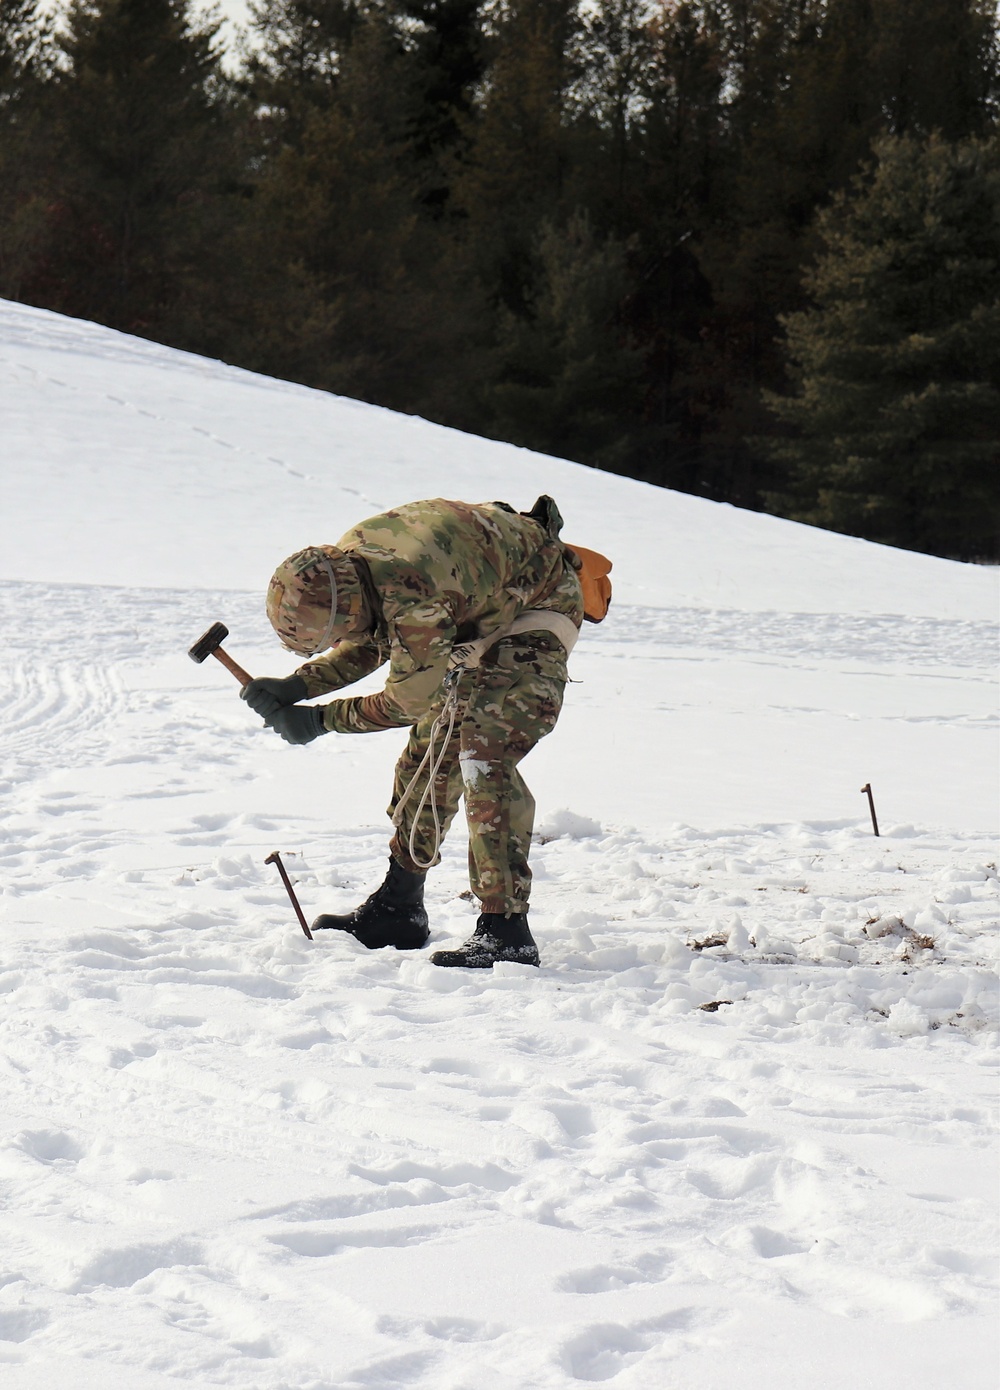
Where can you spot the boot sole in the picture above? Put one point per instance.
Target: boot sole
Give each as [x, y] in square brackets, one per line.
[453, 960]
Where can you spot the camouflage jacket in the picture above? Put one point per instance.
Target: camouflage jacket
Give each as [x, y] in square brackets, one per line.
[441, 573]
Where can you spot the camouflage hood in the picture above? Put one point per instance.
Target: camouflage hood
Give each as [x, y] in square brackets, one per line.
[314, 598]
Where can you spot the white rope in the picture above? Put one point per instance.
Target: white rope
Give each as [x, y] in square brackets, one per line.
[464, 658]
[436, 761]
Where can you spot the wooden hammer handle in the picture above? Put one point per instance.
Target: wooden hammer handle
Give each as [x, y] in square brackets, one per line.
[231, 665]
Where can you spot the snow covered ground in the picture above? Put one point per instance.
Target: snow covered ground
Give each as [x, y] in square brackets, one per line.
[738, 1132]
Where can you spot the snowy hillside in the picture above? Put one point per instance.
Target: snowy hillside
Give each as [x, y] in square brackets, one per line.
[232, 1157]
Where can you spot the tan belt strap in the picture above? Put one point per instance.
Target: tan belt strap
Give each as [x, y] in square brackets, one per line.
[562, 627]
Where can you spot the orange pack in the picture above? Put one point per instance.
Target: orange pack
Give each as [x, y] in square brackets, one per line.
[593, 570]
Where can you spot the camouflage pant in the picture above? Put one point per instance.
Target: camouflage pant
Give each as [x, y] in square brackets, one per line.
[507, 704]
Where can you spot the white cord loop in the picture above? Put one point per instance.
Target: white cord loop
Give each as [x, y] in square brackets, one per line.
[449, 710]
[466, 657]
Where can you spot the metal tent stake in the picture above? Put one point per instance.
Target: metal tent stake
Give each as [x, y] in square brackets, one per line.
[871, 805]
[275, 858]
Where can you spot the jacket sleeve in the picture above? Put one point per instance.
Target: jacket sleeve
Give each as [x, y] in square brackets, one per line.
[421, 638]
[346, 663]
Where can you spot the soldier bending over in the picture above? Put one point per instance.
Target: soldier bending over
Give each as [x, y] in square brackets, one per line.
[475, 608]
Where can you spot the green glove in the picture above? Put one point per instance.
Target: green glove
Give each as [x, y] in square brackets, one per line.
[297, 723]
[270, 693]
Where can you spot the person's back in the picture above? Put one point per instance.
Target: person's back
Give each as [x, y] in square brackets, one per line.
[483, 562]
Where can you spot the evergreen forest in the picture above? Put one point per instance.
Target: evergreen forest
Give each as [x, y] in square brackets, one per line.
[748, 249]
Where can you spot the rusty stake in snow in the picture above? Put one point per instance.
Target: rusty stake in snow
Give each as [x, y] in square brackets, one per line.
[275, 858]
[871, 805]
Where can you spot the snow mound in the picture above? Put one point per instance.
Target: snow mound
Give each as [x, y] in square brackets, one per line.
[563, 824]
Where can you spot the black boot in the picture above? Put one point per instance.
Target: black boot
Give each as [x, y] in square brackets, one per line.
[496, 938]
[393, 916]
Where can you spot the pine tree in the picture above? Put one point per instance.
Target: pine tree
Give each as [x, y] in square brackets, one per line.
[896, 416]
[808, 84]
[23, 33]
[514, 176]
[569, 382]
[294, 65]
[448, 51]
[359, 289]
[25, 44]
[137, 125]
[683, 125]
[614, 56]
[429, 55]
[936, 66]
[679, 176]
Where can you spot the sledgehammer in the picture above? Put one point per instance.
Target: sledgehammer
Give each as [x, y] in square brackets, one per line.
[210, 644]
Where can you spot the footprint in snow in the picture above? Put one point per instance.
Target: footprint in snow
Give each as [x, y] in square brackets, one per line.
[604, 1350]
[487, 1175]
[121, 1268]
[302, 1042]
[49, 1146]
[18, 1324]
[462, 1330]
[763, 1242]
[494, 1112]
[451, 1066]
[320, 1244]
[575, 1119]
[732, 1178]
[649, 1269]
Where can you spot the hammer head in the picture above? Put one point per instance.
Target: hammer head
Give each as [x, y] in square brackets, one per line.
[208, 642]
